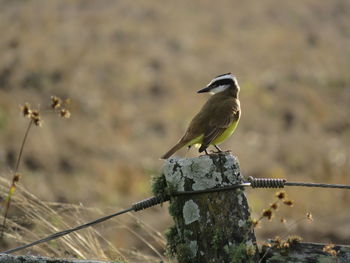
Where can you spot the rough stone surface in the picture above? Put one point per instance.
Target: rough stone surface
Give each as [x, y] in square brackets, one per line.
[307, 253]
[210, 227]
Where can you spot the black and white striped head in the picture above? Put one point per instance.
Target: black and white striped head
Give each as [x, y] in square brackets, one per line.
[222, 83]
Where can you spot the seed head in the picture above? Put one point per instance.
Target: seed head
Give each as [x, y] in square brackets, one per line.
[281, 195]
[64, 113]
[38, 122]
[330, 250]
[267, 213]
[55, 102]
[309, 216]
[292, 240]
[288, 202]
[36, 118]
[35, 113]
[274, 206]
[26, 111]
[285, 245]
[277, 242]
[16, 177]
[266, 245]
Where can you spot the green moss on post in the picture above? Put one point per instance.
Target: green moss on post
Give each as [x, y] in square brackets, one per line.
[159, 186]
[210, 227]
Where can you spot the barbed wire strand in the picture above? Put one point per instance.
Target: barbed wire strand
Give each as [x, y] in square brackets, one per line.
[155, 200]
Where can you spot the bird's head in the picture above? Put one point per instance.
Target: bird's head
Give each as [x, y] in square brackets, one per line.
[222, 83]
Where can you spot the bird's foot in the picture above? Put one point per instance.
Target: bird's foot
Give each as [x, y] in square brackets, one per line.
[218, 150]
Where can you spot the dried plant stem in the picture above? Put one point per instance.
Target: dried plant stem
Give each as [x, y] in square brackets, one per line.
[15, 179]
[22, 145]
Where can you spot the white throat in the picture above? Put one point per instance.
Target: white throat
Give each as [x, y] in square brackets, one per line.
[218, 89]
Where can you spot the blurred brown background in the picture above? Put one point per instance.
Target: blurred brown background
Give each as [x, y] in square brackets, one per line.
[132, 69]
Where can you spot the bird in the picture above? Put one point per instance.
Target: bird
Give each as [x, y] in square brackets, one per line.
[217, 119]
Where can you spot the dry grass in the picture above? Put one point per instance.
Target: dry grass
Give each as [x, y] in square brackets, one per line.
[33, 219]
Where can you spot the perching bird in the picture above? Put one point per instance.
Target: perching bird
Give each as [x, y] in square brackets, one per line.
[217, 119]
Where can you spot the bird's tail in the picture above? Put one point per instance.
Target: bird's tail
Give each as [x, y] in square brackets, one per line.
[179, 145]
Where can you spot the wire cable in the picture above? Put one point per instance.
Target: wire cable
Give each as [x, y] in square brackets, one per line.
[263, 183]
[320, 185]
[211, 190]
[280, 183]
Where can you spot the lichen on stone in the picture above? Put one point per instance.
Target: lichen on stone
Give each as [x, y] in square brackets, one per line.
[231, 169]
[193, 247]
[201, 165]
[185, 165]
[173, 175]
[190, 212]
[239, 199]
[201, 181]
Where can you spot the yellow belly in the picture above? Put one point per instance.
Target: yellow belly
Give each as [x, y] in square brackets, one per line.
[226, 134]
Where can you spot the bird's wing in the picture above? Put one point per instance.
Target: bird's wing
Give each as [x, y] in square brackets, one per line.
[217, 126]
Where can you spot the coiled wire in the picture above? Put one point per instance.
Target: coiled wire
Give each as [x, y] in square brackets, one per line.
[266, 182]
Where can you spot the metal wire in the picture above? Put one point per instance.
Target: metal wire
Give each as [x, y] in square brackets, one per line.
[320, 185]
[155, 200]
[263, 183]
[280, 183]
[224, 188]
[266, 182]
[149, 202]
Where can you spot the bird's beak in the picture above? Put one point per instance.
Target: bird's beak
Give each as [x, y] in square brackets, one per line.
[206, 89]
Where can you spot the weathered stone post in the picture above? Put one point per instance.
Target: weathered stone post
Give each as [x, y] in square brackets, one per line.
[209, 227]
